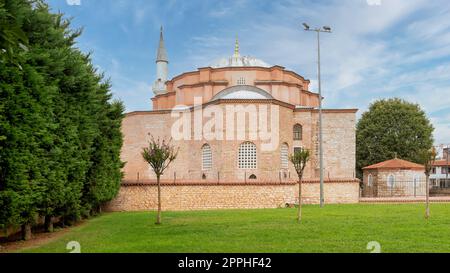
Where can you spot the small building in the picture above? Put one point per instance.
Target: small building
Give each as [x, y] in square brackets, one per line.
[395, 177]
[440, 177]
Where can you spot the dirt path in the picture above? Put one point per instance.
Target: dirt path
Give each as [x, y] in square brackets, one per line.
[38, 239]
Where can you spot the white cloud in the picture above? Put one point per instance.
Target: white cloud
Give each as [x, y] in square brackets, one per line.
[73, 2]
[400, 48]
[127, 89]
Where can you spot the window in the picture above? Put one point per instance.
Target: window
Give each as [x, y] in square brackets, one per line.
[284, 156]
[252, 177]
[433, 182]
[298, 132]
[241, 81]
[247, 156]
[297, 149]
[444, 170]
[433, 171]
[391, 181]
[370, 180]
[206, 157]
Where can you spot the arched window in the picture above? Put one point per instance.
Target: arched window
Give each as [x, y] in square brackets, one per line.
[284, 156]
[206, 157]
[252, 177]
[247, 156]
[370, 180]
[391, 181]
[298, 131]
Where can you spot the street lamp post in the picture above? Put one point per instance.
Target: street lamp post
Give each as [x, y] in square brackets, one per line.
[446, 166]
[324, 29]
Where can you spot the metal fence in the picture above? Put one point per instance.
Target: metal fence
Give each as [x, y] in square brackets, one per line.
[415, 188]
[217, 177]
[440, 187]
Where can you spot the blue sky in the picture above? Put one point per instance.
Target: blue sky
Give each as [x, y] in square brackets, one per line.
[379, 48]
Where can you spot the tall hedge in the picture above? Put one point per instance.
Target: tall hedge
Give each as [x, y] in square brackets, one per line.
[60, 135]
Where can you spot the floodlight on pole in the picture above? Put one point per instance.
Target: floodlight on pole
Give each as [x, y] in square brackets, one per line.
[325, 29]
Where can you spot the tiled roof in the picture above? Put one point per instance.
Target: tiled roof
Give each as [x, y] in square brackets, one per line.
[442, 162]
[395, 163]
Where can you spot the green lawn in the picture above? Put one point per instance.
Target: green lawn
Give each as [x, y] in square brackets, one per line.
[335, 228]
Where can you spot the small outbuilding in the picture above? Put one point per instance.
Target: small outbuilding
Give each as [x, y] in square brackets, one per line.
[395, 177]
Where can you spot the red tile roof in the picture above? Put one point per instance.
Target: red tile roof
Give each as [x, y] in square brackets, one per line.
[395, 163]
[441, 162]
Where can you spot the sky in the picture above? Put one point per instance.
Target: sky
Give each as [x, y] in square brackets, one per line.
[378, 48]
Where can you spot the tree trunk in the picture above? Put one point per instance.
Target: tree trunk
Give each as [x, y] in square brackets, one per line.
[26, 232]
[158, 217]
[427, 209]
[299, 216]
[48, 223]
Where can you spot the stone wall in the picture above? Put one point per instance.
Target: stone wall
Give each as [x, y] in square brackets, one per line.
[204, 196]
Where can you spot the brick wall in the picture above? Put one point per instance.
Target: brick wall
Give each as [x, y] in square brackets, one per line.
[339, 148]
[228, 196]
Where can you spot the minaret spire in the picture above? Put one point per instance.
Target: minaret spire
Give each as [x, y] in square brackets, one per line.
[162, 53]
[162, 63]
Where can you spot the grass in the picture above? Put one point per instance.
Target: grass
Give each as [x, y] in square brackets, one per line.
[335, 228]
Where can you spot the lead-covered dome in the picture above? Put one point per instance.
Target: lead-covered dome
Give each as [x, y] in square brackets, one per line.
[242, 92]
[238, 61]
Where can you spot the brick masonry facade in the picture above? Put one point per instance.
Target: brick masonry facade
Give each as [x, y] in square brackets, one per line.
[338, 140]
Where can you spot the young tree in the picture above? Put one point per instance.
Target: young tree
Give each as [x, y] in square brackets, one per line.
[427, 158]
[389, 127]
[159, 154]
[299, 159]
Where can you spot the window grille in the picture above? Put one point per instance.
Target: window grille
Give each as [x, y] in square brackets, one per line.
[247, 156]
[206, 157]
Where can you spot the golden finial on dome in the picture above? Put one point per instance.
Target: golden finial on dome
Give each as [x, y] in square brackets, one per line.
[236, 48]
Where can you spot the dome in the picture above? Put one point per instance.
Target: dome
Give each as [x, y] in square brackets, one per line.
[242, 92]
[239, 61]
[236, 60]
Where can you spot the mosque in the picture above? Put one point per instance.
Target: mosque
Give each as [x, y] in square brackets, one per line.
[235, 123]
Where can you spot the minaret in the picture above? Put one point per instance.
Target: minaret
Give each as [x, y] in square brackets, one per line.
[162, 63]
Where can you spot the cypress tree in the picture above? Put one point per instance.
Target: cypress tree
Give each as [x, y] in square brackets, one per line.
[60, 136]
